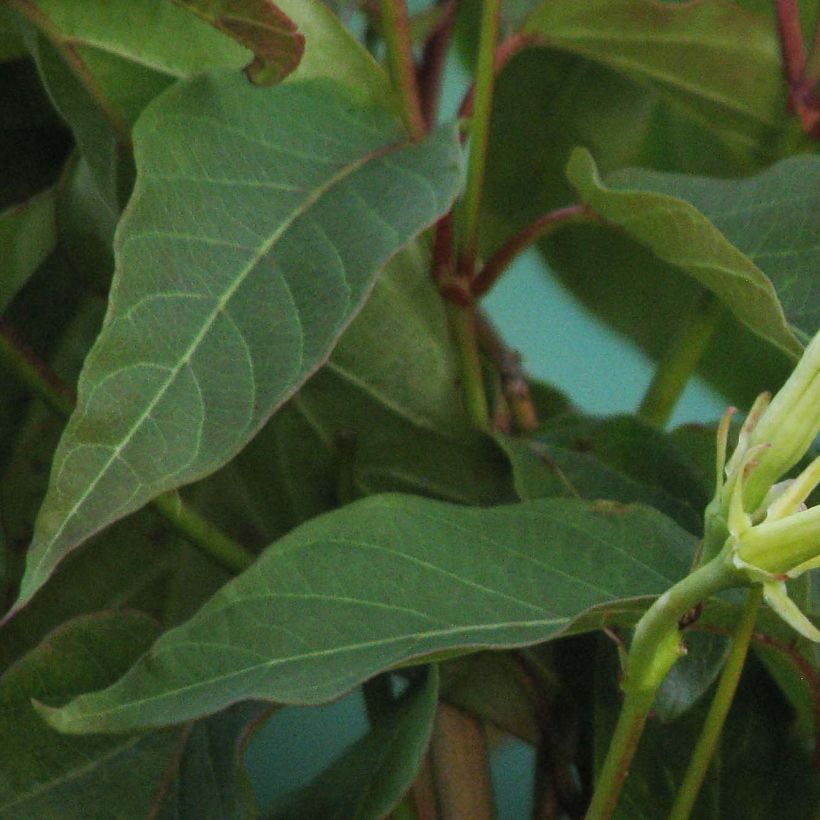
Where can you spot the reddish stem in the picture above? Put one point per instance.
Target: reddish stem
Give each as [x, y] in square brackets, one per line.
[527, 236]
[433, 58]
[791, 41]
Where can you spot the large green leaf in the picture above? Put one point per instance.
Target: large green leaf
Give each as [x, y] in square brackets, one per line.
[369, 779]
[45, 774]
[259, 276]
[384, 413]
[386, 580]
[27, 237]
[772, 217]
[680, 234]
[720, 60]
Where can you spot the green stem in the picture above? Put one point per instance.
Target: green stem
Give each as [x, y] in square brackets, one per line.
[654, 650]
[729, 679]
[205, 535]
[680, 360]
[479, 130]
[462, 322]
[44, 383]
[396, 33]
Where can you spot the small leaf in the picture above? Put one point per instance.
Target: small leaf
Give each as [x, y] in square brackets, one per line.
[240, 195]
[45, 774]
[27, 237]
[260, 26]
[691, 51]
[386, 580]
[680, 234]
[370, 778]
[211, 781]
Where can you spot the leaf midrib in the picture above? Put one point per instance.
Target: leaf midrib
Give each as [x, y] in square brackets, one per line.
[343, 174]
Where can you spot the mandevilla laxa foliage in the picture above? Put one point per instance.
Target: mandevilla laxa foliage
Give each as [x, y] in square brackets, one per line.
[261, 446]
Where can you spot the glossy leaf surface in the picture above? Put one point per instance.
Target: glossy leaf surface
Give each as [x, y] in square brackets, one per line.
[385, 580]
[258, 278]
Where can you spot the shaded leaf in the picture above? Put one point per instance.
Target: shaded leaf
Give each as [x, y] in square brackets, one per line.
[690, 51]
[679, 234]
[692, 676]
[646, 299]
[385, 580]
[188, 367]
[370, 778]
[260, 26]
[491, 686]
[33, 141]
[618, 458]
[551, 102]
[27, 237]
[211, 782]
[759, 770]
[45, 774]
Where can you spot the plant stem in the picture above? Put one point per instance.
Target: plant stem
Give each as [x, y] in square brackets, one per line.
[462, 323]
[460, 771]
[654, 650]
[44, 383]
[729, 679]
[791, 41]
[679, 360]
[33, 372]
[479, 131]
[396, 33]
[538, 229]
[513, 384]
[433, 59]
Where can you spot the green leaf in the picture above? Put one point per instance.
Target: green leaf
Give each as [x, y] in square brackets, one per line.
[680, 234]
[211, 782]
[644, 298]
[773, 218]
[721, 61]
[383, 414]
[45, 774]
[370, 778]
[187, 367]
[619, 458]
[27, 237]
[134, 50]
[260, 26]
[386, 580]
[759, 771]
